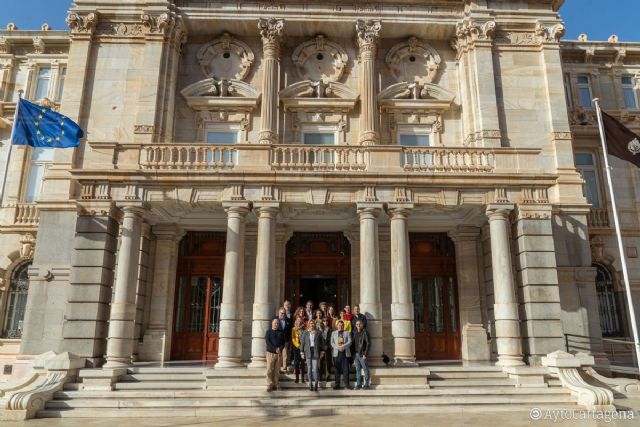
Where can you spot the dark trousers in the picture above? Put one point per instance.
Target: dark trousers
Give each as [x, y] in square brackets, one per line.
[298, 363]
[341, 367]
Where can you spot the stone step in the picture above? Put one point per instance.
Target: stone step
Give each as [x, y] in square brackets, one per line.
[306, 400]
[165, 370]
[471, 382]
[468, 369]
[179, 385]
[191, 411]
[474, 375]
[180, 377]
[260, 392]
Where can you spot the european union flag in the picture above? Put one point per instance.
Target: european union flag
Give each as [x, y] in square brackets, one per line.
[42, 127]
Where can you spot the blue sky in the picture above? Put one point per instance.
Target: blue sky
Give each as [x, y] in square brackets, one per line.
[597, 18]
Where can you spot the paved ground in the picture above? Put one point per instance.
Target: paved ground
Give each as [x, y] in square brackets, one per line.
[501, 419]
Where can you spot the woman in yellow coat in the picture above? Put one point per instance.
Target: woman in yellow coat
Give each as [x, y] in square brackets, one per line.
[296, 337]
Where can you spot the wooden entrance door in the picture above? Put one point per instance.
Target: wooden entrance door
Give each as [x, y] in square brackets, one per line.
[198, 297]
[435, 297]
[318, 268]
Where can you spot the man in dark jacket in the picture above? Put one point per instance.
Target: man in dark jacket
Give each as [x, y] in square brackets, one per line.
[284, 325]
[358, 316]
[361, 342]
[274, 340]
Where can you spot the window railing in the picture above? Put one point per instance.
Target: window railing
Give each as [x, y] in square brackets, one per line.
[437, 159]
[320, 158]
[598, 218]
[26, 214]
[202, 157]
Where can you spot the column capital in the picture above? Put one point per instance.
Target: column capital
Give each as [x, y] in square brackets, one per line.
[399, 210]
[82, 24]
[368, 34]
[236, 207]
[499, 211]
[271, 30]
[170, 232]
[267, 208]
[369, 210]
[136, 210]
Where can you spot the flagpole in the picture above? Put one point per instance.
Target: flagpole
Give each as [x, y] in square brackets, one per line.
[616, 221]
[6, 165]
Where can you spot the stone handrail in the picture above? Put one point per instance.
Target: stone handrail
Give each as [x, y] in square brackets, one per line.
[188, 156]
[27, 214]
[384, 159]
[440, 159]
[598, 218]
[319, 157]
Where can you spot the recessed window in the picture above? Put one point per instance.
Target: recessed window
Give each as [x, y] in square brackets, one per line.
[414, 158]
[16, 302]
[63, 76]
[41, 159]
[222, 138]
[568, 92]
[320, 138]
[629, 93]
[583, 86]
[585, 163]
[42, 84]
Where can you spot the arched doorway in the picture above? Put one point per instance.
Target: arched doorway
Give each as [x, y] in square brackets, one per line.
[435, 296]
[16, 301]
[199, 278]
[608, 306]
[318, 268]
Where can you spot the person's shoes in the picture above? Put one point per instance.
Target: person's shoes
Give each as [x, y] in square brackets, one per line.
[315, 388]
[269, 389]
[311, 388]
[297, 380]
[278, 388]
[336, 387]
[366, 387]
[357, 387]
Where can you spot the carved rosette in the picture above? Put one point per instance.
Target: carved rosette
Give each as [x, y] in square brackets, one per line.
[82, 24]
[320, 60]
[271, 30]
[368, 35]
[225, 58]
[413, 61]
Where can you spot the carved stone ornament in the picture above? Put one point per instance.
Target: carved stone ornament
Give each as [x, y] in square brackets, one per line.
[318, 97]
[225, 58]
[229, 95]
[82, 24]
[160, 24]
[415, 96]
[38, 45]
[5, 45]
[368, 32]
[28, 244]
[469, 31]
[271, 30]
[549, 32]
[413, 61]
[320, 60]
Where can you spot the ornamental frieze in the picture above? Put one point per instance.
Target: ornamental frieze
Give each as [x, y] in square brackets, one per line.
[516, 38]
[119, 29]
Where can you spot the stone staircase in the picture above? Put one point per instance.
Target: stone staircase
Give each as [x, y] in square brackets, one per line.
[197, 391]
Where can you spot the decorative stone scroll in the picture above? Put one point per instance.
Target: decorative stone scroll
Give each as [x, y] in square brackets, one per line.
[158, 24]
[413, 61]
[549, 32]
[470, 31]
[82, 23]
[320, 60]
[225, 58]
[230, 95]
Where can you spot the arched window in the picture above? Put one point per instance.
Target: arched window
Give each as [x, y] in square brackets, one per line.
[17, 302]
[607, 303]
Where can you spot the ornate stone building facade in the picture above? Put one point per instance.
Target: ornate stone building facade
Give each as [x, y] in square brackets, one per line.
[436, 163]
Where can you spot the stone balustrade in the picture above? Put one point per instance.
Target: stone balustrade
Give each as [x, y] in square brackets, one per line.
[392, 159]
[321, 158]
[188, 156]
[598, 218]
[27, 214]
[440, 159]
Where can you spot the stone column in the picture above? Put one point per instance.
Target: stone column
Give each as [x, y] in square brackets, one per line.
[271, 33]
[370, 304]
[505, 307]
[474, 335]
[264, 296]
[232, 307]
[156, 343]
[402, 326]
[368, 37]
[123, 306]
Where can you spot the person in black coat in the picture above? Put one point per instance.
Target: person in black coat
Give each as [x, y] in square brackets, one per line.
[361, 344]
[274, 340]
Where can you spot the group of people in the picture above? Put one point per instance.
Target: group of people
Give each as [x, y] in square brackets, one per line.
[315, 341]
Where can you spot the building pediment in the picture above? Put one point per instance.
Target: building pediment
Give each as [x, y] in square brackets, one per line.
[229, 95]
[415, 97]
[318, 96]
